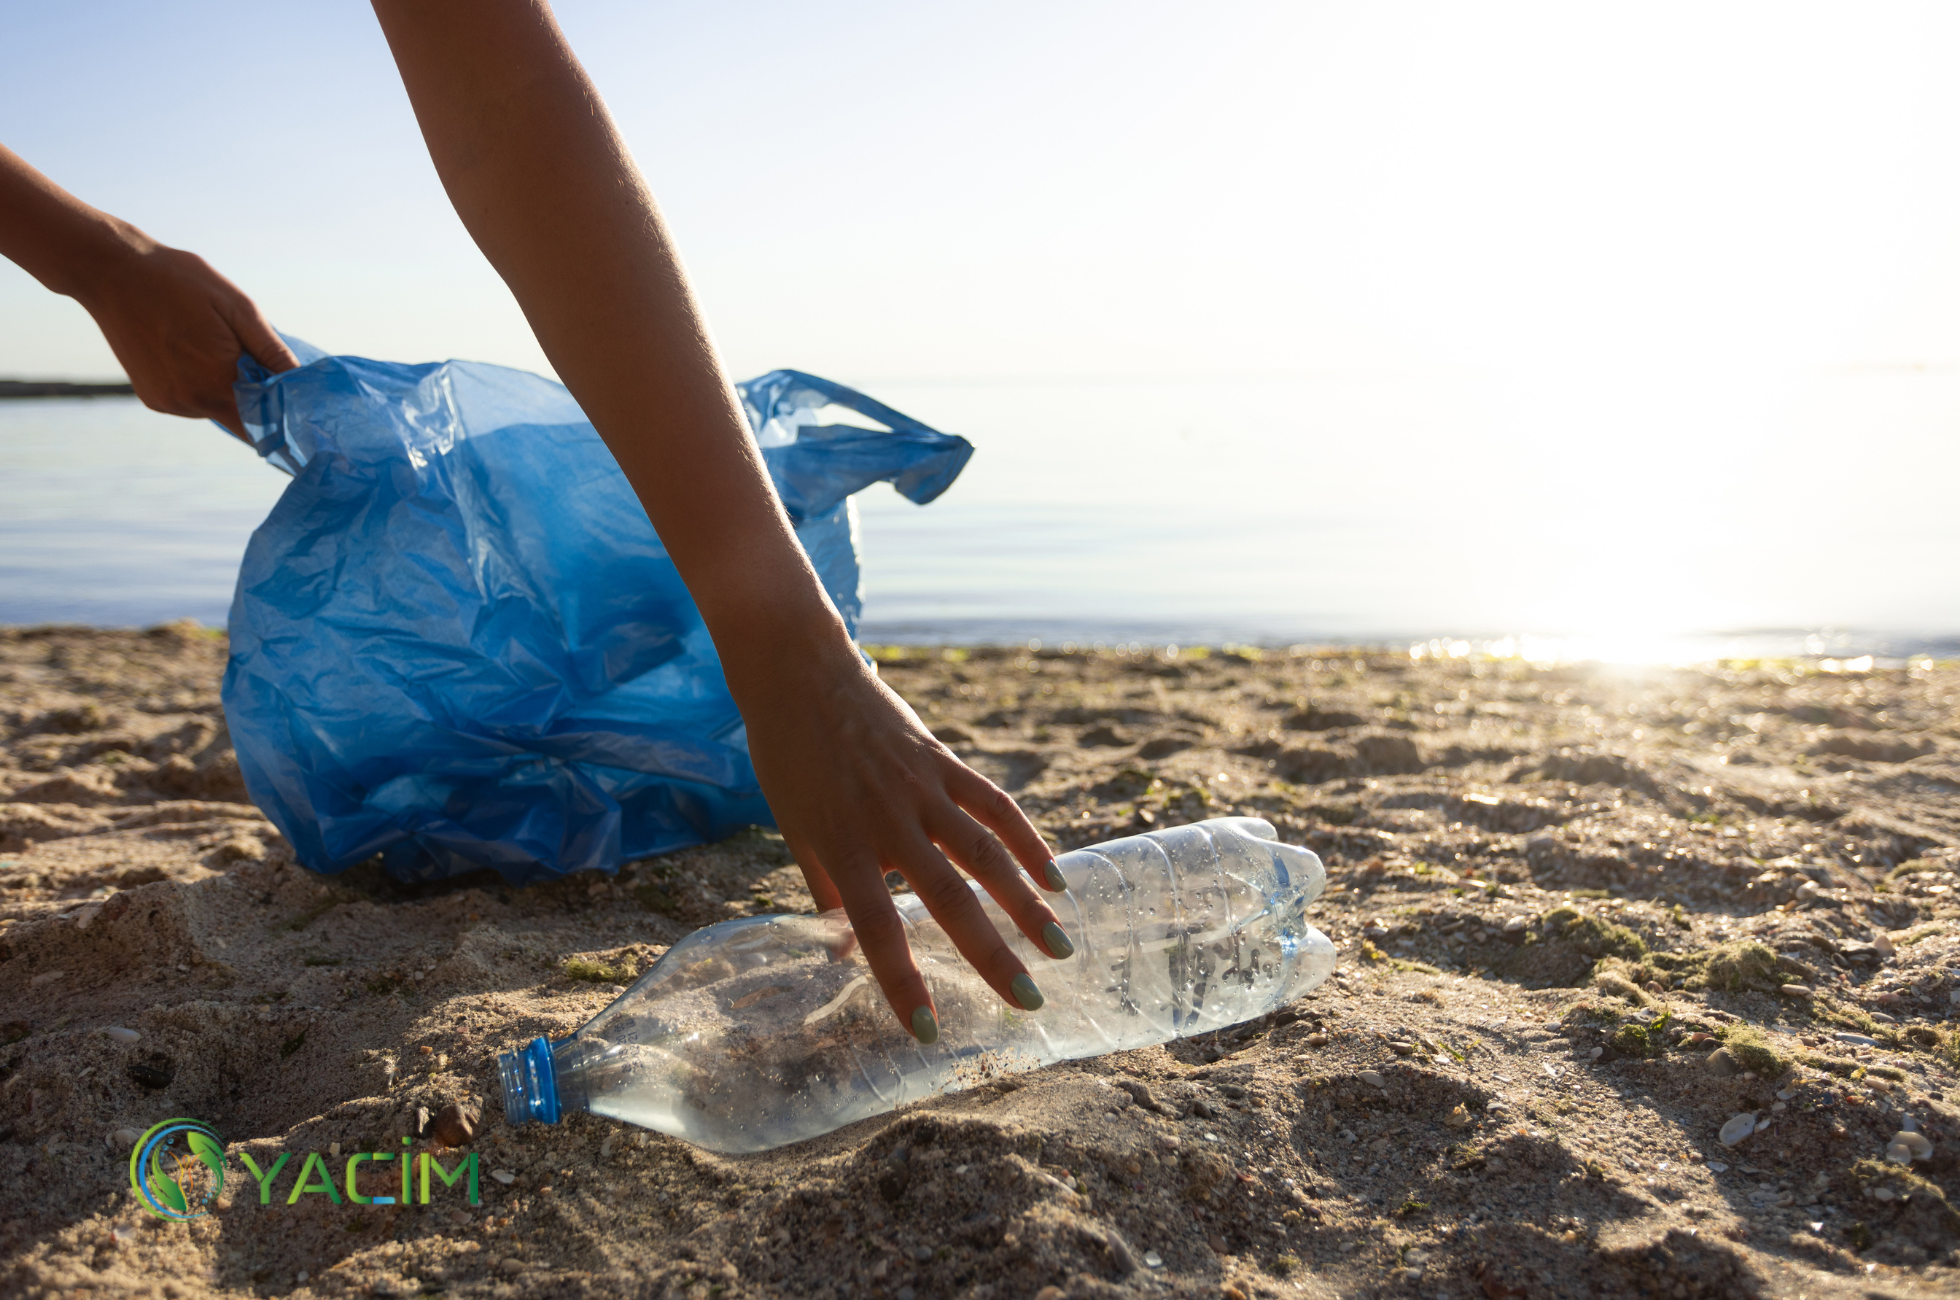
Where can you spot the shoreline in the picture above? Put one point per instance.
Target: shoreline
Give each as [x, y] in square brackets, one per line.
[1547, 884]
[29, 388]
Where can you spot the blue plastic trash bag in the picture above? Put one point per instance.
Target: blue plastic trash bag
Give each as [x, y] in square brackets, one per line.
[457, 642]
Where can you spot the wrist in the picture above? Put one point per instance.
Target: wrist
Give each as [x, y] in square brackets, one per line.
[97, 255]
[765, 648]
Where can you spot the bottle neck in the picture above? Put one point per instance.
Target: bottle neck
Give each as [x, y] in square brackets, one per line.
[535, 1088]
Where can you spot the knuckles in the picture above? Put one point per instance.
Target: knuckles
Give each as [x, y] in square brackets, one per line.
[880, 929]
[984, 855]
[946, 891]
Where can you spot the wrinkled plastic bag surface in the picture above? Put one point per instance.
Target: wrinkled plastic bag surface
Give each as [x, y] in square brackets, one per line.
[457, 641]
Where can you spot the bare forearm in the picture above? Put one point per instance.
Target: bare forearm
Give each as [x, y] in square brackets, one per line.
[545, 186]
[52, 235]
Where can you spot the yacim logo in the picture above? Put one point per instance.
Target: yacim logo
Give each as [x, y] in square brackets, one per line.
[177, 1169]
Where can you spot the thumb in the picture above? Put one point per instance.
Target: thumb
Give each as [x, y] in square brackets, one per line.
[255, 332]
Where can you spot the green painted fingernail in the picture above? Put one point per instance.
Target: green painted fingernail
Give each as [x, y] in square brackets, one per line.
[925, 1027]
[1054, 874]
[1026, 993]
[1057, 939]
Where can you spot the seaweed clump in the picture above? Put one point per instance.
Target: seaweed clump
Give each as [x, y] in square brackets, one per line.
[595, 972]
[1734, 967]
[1638, 1037]
[1751, 1049]
[1591, 936]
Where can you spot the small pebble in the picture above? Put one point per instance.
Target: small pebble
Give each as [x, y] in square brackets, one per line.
[1738, 1128]
[1516, 924]
[1717, 1167]
[1458, 1117]
[1151, 1259]
[1883, 1193]
[1796, 990]
[333, 1148]
[1596, 1053]
[1916, 1146]
[123, 1138]
[511, 1267]
[1883, 942]
[1373, 1078]
[453, 1126]
[504, 1176]
[1316, 1040]
[122, 1035]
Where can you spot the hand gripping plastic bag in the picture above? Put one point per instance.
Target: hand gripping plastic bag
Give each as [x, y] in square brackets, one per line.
[457, 641]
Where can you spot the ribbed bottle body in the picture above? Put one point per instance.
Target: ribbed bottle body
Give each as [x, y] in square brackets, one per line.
[759, 1032]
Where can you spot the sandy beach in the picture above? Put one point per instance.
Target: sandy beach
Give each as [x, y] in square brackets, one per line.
[1587, 919]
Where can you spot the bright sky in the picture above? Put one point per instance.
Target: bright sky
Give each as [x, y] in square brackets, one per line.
[912, 190]
[1646, 241]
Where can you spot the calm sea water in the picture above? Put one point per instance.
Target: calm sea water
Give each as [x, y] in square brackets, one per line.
[1319, 508]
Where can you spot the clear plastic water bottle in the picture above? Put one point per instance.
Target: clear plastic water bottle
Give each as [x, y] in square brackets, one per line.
[768, 1030]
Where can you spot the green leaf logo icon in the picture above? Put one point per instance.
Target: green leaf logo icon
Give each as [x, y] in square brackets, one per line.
[177, 1168]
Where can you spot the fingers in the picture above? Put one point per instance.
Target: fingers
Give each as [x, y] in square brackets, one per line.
[874, 918]
[992, 806]
[950, 900]
[259, 338]
[262, 343]
[822, 889]
[971, 845]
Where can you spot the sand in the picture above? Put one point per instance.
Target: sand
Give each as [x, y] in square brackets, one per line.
[1586, 918]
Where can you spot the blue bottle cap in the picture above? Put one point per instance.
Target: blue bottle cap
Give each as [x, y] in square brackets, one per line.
[530, 1084]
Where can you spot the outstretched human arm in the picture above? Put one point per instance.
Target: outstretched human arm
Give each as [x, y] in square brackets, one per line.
[546, 187]
[175, 324]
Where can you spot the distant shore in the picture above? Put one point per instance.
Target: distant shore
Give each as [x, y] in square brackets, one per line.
[62, 388]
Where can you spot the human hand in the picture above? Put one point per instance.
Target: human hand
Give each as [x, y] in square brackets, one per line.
[178, 328]
[175, 324]
[859, 787]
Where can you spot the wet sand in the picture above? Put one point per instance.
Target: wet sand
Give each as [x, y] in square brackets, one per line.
[1586, 919]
